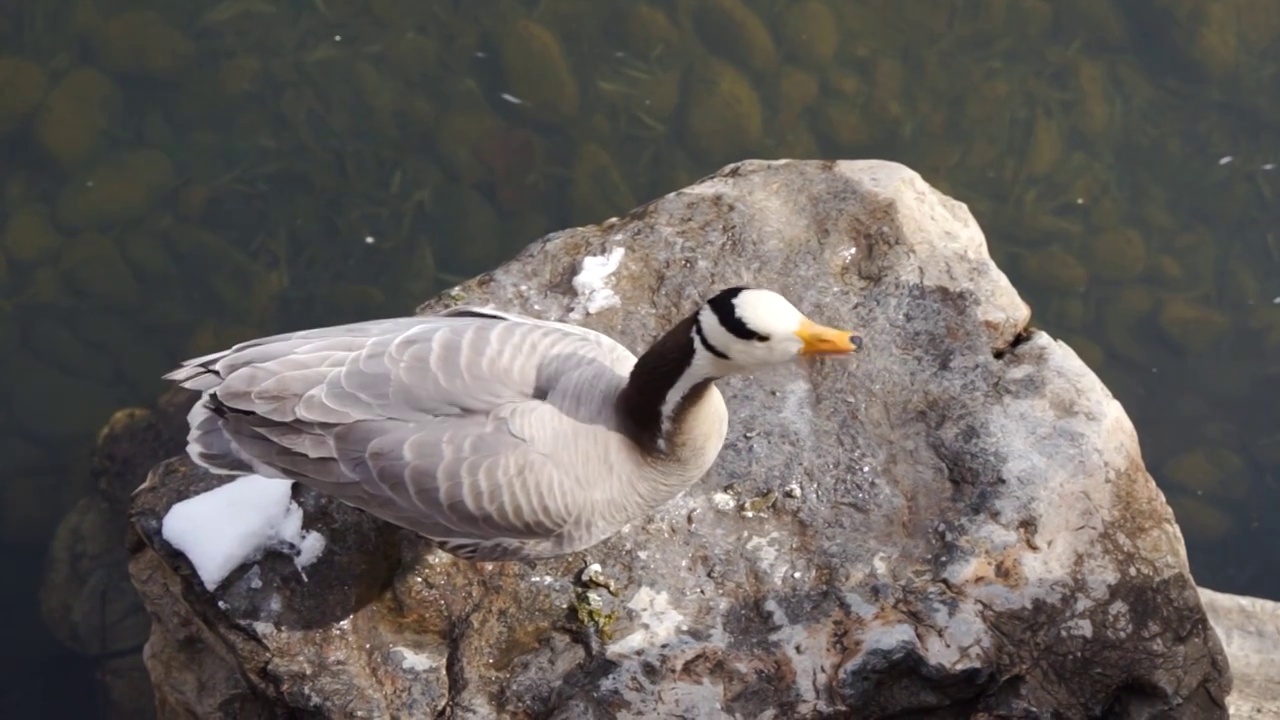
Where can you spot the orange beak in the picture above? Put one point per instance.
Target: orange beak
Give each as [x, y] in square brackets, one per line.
[822, 340]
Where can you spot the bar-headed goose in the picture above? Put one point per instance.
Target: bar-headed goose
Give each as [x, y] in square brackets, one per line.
[498, 436]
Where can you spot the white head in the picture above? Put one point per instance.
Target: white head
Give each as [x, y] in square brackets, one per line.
[740, 329]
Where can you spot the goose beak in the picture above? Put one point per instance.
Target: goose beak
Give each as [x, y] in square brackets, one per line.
[822, 340]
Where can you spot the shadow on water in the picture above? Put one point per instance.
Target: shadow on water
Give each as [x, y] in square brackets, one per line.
[176, 177]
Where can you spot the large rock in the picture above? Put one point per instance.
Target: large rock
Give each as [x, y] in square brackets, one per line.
[958, 523]
[1250, 629]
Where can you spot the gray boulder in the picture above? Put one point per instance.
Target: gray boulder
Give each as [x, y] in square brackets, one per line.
[957, 523]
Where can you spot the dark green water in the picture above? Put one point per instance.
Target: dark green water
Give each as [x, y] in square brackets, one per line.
[177, 176]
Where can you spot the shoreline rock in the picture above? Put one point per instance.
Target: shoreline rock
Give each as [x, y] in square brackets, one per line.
[959, 522]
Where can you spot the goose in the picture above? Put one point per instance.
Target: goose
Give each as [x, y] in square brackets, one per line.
[497, 436]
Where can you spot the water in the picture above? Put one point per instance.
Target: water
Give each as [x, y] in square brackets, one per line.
[179, 176]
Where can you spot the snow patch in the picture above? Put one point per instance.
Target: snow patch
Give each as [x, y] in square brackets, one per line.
[224, 528]
[592, 286]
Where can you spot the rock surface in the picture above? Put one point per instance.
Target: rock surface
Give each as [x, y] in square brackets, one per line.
[1250, 631]
[958, 523]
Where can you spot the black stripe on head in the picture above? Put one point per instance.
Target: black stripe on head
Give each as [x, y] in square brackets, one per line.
[706, 344]
[722, 306]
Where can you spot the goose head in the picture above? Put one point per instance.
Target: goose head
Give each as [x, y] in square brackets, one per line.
[742, 329]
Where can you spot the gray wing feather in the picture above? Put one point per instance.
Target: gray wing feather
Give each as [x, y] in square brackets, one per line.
[459, 426]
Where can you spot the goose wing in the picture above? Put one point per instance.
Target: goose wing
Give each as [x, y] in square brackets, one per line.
[464, 425]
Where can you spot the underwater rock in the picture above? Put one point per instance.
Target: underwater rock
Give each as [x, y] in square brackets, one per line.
[75, 115]
[537, 72]
[722, 113]
[1216, 36]
[239, 75]
[465, 213]
[1192, 327]
[654, 99]
[118, 344]
[974, 532]
[1045, 147]
[1096, 96]
[54, 405]
[735, 31]
[646, 30]
[123, 187]
[809, 33]
[1115, 255]
[1215, 472]
[91, 265]
[460, 135]
[796, 141]
[1126, 307]
[212, 335]
[85, 595]
[141, 42]
[53, 342]
[1198, 517]
[29, 237]
[842, 123]
[1053, 269]
[796, 91]
[232, 281]
[598, 190]
[22, 87]
[146, 254]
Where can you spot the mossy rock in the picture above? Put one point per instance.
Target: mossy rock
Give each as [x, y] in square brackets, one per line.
[736, 32]
[722, 118]
[124, 187]
[143, 43]
[29, 237]
[809, 33]
[22, 86]
[71, 123]
[537, 71]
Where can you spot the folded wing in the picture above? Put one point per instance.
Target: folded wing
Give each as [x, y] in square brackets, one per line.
[454, 425]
